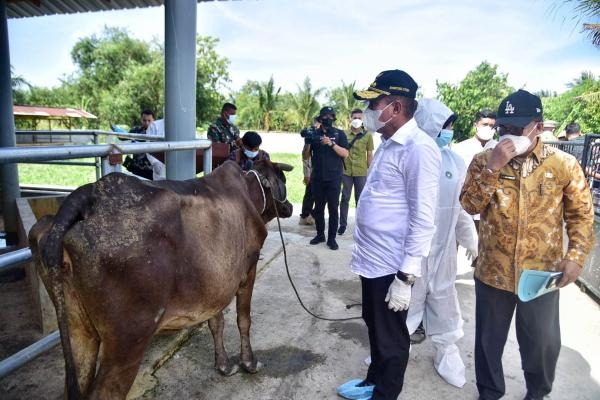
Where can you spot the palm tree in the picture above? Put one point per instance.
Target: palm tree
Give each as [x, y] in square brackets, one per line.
[267, 101]
[589, 9]
[18, 81]
[344, 102]
[305, 104]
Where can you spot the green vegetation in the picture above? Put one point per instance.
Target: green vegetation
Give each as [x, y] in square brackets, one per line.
[74, 176]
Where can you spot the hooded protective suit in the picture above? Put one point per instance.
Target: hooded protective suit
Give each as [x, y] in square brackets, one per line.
[434, 298]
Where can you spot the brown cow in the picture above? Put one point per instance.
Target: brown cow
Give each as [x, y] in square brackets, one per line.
[124, 258]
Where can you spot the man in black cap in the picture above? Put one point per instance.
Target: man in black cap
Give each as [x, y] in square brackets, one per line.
[394, 227]
[328, 148]
[250, 151]
[524, 191]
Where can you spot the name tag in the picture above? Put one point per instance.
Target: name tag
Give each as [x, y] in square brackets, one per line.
[508, 177]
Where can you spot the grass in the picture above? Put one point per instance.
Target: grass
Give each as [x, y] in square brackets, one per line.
[74, 176]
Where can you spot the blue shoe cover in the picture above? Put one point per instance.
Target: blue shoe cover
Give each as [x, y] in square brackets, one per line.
[350, 390]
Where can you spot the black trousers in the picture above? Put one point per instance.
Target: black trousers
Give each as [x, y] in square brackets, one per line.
[347, 182]
[326, 192]
[538, 334]
[389, 340]
[308, 202]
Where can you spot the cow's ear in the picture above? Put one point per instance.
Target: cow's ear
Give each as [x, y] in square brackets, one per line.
[284, 167]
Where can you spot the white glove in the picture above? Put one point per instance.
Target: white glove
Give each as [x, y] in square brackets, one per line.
[472, 254]
[398, 295]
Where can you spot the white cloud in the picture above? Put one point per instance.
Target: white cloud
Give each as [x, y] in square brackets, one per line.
[537, 45]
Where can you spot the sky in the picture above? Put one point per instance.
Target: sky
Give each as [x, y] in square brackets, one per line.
[538, 44]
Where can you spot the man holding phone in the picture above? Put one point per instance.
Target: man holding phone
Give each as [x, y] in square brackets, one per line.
[523, 190]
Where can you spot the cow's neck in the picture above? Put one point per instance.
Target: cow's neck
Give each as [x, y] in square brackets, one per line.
[262, 190]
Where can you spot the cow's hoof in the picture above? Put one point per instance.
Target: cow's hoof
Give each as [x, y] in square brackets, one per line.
[228, 370]
[252, 367]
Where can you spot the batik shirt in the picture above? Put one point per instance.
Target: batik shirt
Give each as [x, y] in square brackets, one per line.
[522, 209]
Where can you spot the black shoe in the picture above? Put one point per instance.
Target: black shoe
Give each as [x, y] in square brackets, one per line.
[318, 239]
[418, 336]
[332, 244]
[529, 396]
[341, 230]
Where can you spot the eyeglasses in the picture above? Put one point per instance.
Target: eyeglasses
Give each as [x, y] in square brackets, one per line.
[509, 130]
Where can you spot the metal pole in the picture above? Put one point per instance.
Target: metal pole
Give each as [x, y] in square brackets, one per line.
[14, 259]
[17, 360]
[9, 176]
[180, 84]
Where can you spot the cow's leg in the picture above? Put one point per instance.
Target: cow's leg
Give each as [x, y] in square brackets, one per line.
[222, 362]
[120, 359]
[85, 344]
[243, 300]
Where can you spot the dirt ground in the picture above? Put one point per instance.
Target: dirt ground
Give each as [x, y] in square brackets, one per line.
[303, 357]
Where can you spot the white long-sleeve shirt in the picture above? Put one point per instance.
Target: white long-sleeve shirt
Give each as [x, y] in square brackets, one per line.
[396, 210]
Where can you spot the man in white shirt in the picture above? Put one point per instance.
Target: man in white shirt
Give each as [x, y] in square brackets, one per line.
[485, 119]
[394, 227]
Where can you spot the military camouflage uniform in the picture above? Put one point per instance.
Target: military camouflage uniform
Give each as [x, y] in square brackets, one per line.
[224, 132]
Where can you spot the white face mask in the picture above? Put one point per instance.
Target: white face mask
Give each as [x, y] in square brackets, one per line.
[521, 143]
[356, 123]
[232, 119]
[484, 132]
[371, 119]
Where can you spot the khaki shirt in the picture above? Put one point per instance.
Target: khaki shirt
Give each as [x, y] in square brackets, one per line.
[522, 209]
[356, 162]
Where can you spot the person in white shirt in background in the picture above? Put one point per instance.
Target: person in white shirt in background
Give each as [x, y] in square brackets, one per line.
[159, 171]
[434, 298]
[394, 227]
[485, 119]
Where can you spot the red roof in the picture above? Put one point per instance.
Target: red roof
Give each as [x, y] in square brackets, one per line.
[51, 112]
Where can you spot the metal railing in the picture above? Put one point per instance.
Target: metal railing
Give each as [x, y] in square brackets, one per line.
[93, 134]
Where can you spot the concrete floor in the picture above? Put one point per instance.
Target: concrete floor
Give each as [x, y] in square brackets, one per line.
[306, 358]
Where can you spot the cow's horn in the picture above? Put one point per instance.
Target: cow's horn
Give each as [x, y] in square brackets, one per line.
[284, 167]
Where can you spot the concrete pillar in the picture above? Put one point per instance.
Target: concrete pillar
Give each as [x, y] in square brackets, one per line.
[180, 85]
[9, 177]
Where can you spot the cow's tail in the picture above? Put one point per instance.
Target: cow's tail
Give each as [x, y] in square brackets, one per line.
[52, 252]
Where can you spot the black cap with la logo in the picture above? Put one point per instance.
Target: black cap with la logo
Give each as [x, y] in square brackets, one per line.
[519, 109]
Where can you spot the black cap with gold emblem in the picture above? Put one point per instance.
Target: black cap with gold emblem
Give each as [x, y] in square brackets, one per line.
[389, 83]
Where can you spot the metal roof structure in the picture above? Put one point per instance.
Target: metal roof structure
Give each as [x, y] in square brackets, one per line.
[38, 8]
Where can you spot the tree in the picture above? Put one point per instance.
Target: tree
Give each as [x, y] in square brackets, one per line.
[589, 9]
[305, 104]
[267, 101]
[211, 78]
[482, 87]
[581, 104]
[344, 102]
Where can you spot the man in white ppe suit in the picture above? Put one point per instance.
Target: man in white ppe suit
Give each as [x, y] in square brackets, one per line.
[434, 299]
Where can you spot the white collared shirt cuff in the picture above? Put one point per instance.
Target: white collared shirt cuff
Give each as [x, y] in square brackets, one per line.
[411, 265]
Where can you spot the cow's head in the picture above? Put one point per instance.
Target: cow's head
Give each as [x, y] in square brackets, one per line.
[272, 180]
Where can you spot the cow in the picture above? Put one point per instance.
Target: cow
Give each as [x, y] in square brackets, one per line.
[124, 259]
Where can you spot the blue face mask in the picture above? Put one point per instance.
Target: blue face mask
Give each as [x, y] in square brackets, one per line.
[250, 154]
[444, 138]
[232, 119]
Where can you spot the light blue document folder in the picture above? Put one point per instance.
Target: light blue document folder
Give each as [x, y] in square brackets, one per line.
[535, 283]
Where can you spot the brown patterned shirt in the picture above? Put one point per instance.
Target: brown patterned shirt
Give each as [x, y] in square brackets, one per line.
[522, 208]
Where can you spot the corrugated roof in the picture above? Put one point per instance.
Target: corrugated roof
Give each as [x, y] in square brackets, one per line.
[51, 112]
[38, 8]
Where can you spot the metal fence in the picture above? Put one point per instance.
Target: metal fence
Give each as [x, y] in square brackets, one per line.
[587, 152]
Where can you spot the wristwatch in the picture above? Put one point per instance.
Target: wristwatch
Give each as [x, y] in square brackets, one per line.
[409, 279]
[332, 144]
